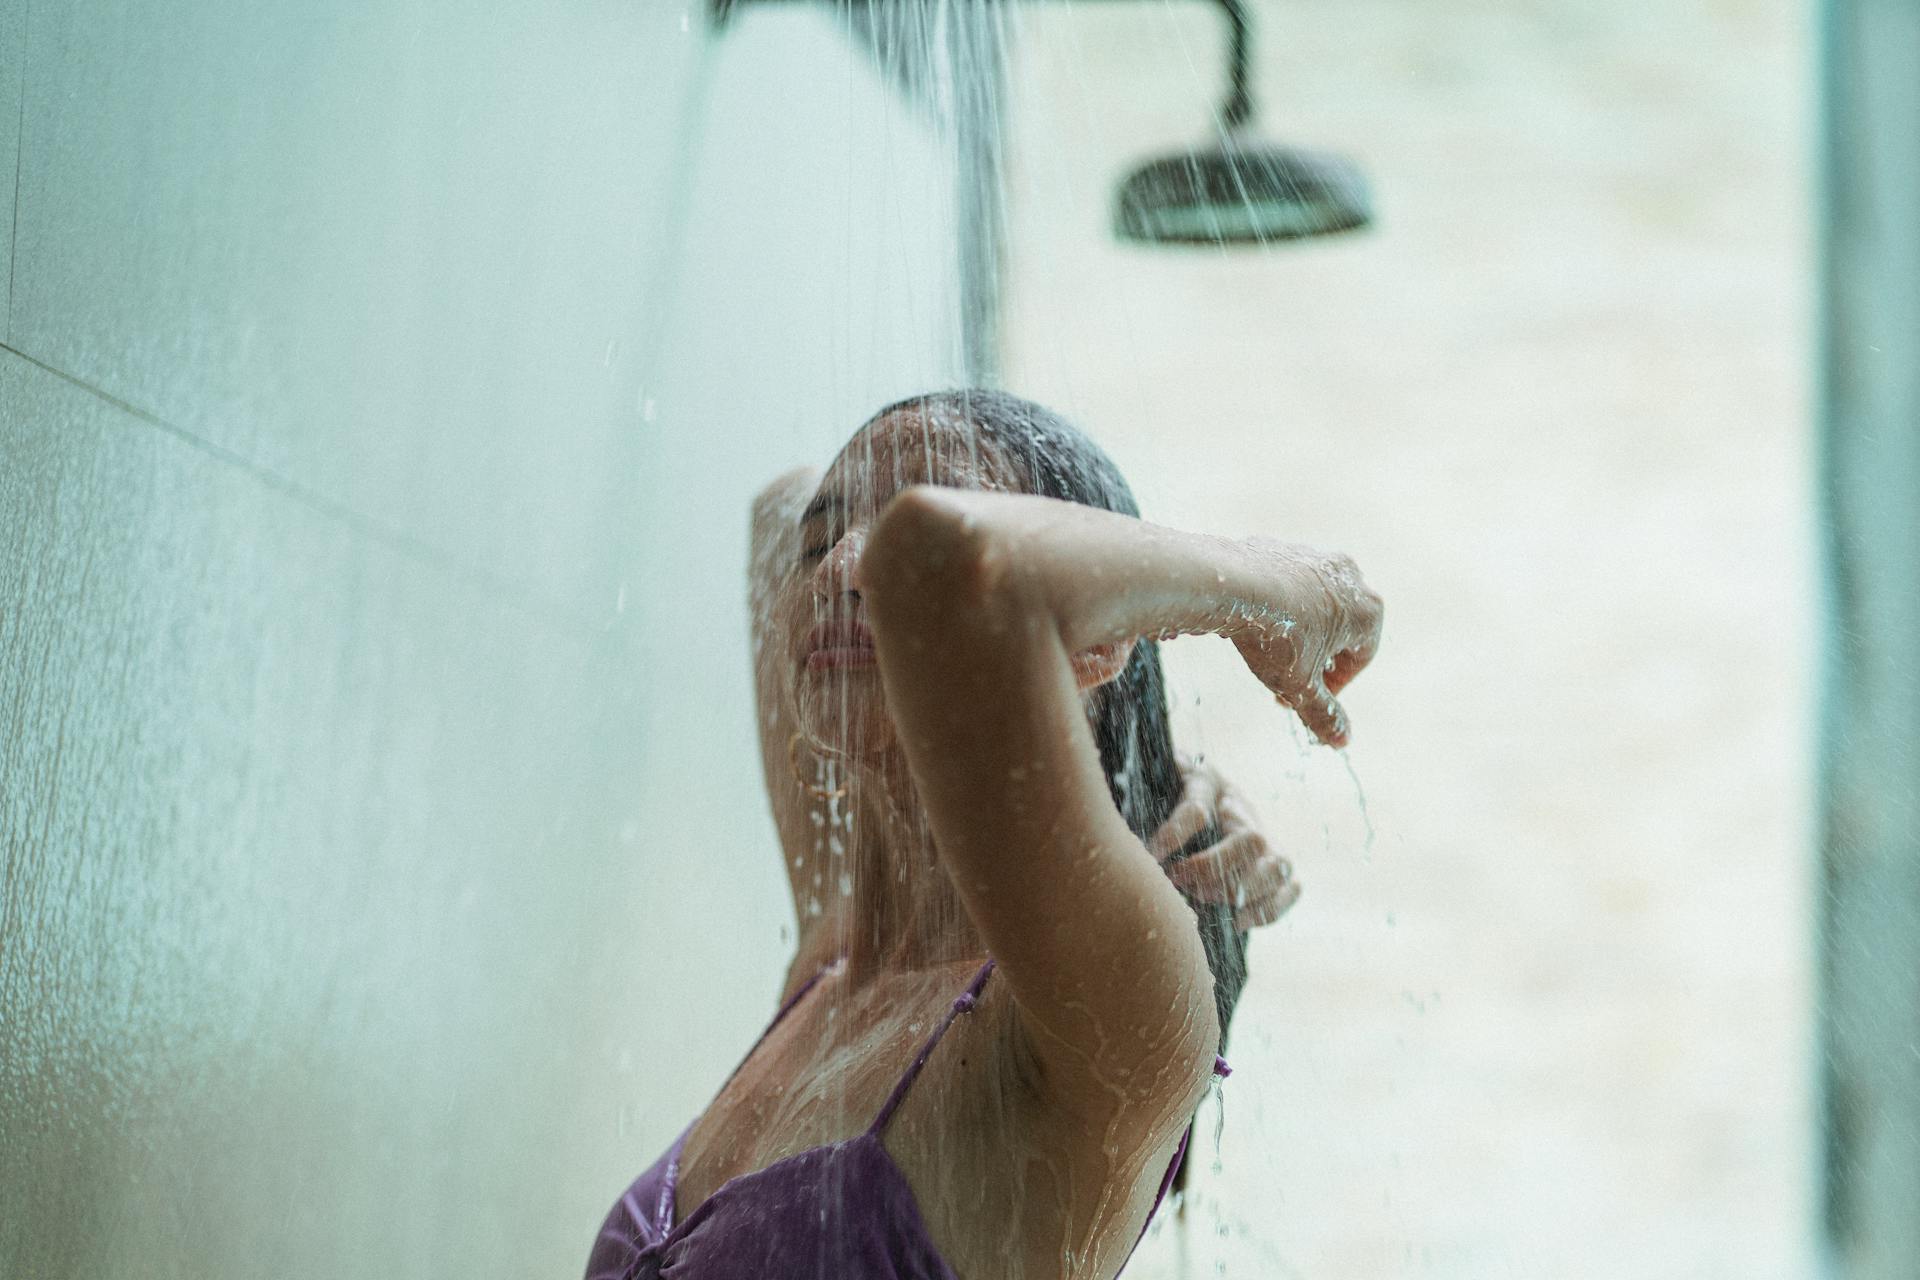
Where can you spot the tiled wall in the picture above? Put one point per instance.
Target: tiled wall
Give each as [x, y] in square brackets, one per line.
[383, 388]
[13, 22]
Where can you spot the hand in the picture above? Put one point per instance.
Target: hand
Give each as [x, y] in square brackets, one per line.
[771, 551]
[772, 532]
[1242, 870]
[1319, 630]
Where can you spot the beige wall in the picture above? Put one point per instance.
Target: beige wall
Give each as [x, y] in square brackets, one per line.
[1545, 1008]
[381, 393]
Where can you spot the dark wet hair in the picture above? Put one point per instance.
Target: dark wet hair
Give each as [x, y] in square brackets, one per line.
[1057, 460]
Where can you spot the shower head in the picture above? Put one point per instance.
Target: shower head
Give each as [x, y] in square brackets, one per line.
[1242, 191]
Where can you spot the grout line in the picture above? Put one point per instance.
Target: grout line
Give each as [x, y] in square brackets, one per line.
[547, 612]
[19, 150]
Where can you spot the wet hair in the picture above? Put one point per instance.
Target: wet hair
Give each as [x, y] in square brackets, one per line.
[1054, 459]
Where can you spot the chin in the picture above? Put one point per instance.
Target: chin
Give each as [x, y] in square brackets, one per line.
[841, 719]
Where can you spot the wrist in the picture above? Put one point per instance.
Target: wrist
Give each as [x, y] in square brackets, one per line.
[1254, 577]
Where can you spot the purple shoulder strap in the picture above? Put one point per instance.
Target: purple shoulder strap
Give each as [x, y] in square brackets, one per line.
[669, 1184]
[962, 1003]
[785, 1009]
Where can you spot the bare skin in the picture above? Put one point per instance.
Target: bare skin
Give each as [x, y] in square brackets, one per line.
[963, 627]
[1242, 869]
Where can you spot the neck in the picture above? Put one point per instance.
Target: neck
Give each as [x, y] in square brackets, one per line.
[905, 912]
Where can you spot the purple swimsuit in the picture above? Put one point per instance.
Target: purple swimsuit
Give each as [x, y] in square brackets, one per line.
[838, 1212]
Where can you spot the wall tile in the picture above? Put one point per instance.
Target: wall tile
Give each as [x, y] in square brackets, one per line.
[327, 907]
[378, 752]
[391, 252]
[449, 272]
[13, 37]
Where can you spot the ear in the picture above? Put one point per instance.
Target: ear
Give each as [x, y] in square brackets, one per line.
[1096, 666]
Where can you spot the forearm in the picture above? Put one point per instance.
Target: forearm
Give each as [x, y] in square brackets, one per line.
[1099, 577]
[976, 618]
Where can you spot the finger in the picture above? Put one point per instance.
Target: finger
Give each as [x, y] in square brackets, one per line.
[1233, 816]
[1189, 817]
[1199, 780]
[1267, 879]
[1239, 882]
[1267, 910]
[1221, 872]
[1322, 715]
[1227, 798]
[1187, 820]
[790, 488]
[1360, 643]
[1346, 665]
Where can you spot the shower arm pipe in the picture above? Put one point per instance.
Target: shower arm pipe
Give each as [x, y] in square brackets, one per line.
[1237, 110]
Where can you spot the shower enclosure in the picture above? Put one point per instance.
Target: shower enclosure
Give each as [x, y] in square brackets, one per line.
[382, 390]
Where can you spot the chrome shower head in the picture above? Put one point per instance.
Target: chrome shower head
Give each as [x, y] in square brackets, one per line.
[1242, 191]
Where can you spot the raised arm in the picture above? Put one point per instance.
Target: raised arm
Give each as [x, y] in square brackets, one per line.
[989, 612]
[772, 554]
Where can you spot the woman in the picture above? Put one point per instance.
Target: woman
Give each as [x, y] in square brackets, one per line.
[957, 667]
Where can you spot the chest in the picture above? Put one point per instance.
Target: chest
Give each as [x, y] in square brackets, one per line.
[1001, 1188]
[825, 1075]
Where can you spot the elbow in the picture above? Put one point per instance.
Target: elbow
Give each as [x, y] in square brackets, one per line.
[1183, 1069]
[931, 550]
[1199, 1060]
[1187, 1065]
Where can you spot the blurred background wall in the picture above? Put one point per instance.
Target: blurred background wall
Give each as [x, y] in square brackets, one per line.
[382, 390]
[1546, 1005]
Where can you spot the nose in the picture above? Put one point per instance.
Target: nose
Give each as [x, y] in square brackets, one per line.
[833, 575]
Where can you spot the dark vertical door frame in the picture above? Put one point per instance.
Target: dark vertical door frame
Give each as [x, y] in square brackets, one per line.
[1869, 392]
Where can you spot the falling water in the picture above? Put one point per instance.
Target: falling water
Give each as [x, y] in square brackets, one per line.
[383, 396]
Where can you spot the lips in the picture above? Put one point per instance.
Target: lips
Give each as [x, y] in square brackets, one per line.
[843, 643]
